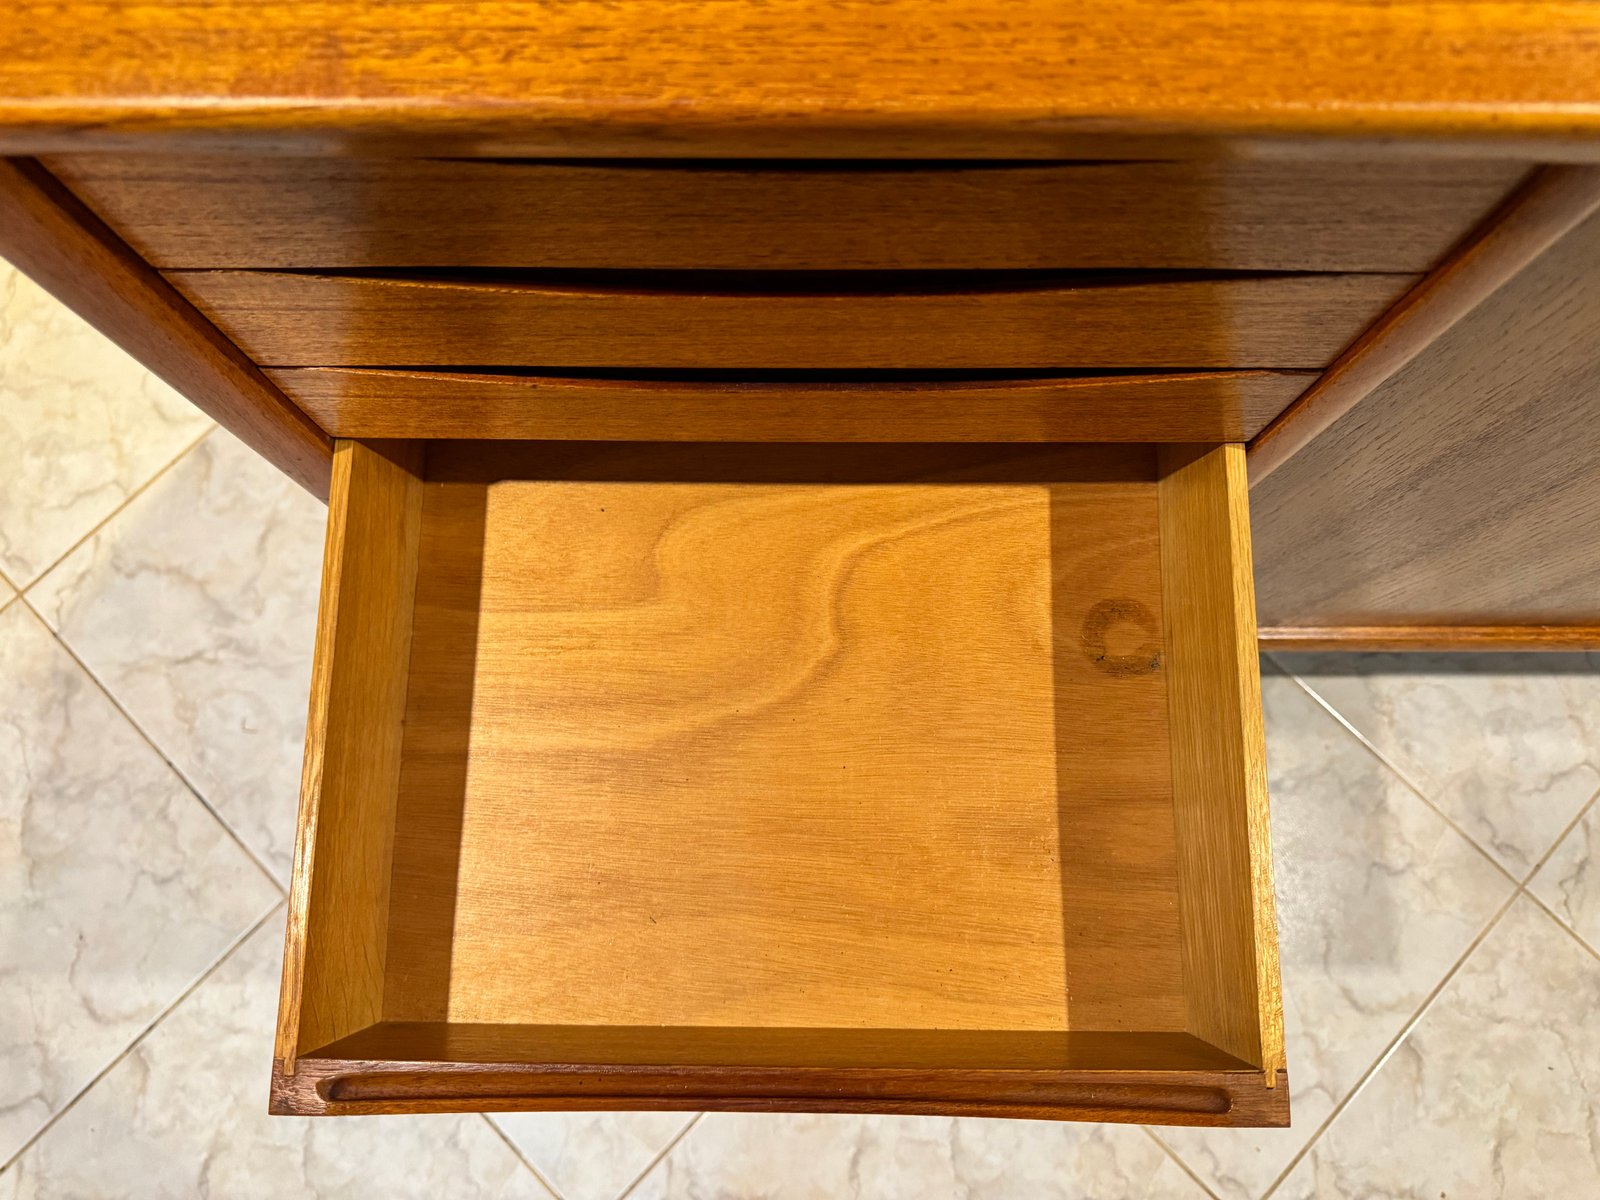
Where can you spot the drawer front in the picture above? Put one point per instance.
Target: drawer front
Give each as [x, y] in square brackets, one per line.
[653, 776]
[1279, 321]
[195, 211]
[1210, 406]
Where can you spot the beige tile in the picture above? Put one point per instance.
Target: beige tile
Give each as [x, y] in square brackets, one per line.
[1495, 1093]
[591, 1156]
[1507, 745]
[117, 887]
[1377, 898]
[735, 1156]
[196, 606]
[81, 427]
[1569, 881]
[185, 1114]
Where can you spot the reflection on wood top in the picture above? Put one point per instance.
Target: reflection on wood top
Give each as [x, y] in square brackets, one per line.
[842, 78]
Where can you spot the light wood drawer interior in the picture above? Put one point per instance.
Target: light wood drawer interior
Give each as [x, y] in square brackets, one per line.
[909, 778]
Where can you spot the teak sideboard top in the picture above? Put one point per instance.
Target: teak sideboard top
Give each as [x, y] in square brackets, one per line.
[804, 479]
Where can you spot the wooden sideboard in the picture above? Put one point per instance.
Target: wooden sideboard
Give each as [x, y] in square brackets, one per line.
[789, 629]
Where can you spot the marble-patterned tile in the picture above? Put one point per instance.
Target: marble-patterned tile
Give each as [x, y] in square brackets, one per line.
[196, 607]
[1507, 745]
[1569, 880]
[82, 425]
[591, 1156]
[1377, 898]
[117, 887]
[1495, 1093]
[185, 1114]
[742, 1156]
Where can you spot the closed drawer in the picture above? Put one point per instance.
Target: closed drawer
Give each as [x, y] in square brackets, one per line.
[182, 211]
[826, 778]
[1205, 406]
[709, 321]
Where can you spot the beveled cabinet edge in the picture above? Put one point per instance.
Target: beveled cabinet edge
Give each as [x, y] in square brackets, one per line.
[353, 734]
[1424, 638]
[55, 240]
[1552, 201]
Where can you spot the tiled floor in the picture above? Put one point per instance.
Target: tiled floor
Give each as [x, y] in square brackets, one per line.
[1434, 821]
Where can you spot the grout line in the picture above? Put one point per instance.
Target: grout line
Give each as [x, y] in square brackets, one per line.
[112, 515]
[194, 791]
[1565, 928]
[1178, 1158]
[145, 1032]
[1395, 1043]
[1556, 841]
[1403, 777]
[521, 1157]
[657, 1160]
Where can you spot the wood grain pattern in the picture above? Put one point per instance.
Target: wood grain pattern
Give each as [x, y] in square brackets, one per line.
[1219, 775]
[1552, 203]
[727, 713]
[1466, 489]
[187, 211]
[1431, 638]
[1210, 406]
[567, 1046]
[333, 1087]
[858, 78]
[705, 799]
[48, 234]
[1249, 321]
[333, 963]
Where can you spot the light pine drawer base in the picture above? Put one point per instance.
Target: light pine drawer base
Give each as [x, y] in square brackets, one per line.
[842, 778]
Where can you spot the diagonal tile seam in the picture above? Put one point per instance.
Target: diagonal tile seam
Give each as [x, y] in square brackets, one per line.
[547, 1184]
[1394, 1044]
[1177, 1158]
[149, 1028]
[1577, 820]
[188, 783]
[655, 1162]
[1519, 888]
[1411, 784]
[113, 514]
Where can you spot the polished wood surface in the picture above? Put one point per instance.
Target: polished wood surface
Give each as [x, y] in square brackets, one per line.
[283, 319]
[188, 211]
[699, 681]
[770, 1046]
[725, 713]
[858, 78]
[333, 962]
[48, 235]
[1057, 1090]
[1554, 201]
[1431, 638]
[1465, 490]
[1219, 773]
[1204, 406]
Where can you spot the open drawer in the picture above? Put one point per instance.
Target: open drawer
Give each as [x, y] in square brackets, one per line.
[860, 778]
